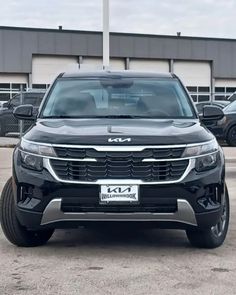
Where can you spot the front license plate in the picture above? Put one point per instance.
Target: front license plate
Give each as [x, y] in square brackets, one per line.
[119, 194]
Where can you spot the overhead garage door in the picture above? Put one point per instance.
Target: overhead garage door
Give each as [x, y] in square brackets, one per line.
[13, 78]
[161, 66]
[93, 64]
[46, 68]
[224, 88]
[117, 64]
[193, 73]
[196, 76]
[225, 82]
[10, 84]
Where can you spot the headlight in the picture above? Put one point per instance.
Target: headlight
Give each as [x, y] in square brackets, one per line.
[206, 155]
[206, 162]
[31, 154]
[201, 149]
[37, 148]
[31, 161]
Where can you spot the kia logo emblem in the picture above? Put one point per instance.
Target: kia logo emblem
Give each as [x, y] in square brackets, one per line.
[119, 139]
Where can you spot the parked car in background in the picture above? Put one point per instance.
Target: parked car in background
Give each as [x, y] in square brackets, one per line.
[8, 123]
[225, 128]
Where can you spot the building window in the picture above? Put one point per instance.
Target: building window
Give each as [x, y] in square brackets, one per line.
[222, 93]
[17, 86]
[192, 88]
[5, 86]
[8, 90]
[194, 97]
[220, 97]
[203, 89]
[203, 98]
[40, 86]
[4, 96]
[219, 89]
[199, 93]
[230, 89]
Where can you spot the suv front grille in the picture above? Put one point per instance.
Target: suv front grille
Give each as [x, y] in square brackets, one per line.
[119, 167]
[154, 153]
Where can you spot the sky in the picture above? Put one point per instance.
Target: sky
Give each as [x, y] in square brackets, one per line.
[207, 18]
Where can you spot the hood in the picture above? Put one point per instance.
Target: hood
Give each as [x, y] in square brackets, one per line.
[118, 131]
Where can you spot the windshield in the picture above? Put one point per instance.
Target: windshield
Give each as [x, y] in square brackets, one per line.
[232, 97]
[231, 107]
[117, 98]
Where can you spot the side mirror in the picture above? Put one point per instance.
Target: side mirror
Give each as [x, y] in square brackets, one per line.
[212, 113]
[25, 112]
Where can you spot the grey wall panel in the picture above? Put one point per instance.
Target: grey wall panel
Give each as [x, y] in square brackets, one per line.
[79, 46]
[233, 61]
[141, 47]
[94, 45]
[156, 47]
[170, 48]
[17, 45]
[224, 60]
[211, 50]
[46, 43]
[126, 45]
[115, 46]
[63, 43]
[1, 50]
[29, 46]
[199, 50]
[184, 49]
[12, 49]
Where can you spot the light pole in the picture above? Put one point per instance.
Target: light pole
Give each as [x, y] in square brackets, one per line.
[106, 45]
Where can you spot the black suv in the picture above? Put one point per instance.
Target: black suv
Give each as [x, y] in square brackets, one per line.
[225, 129]
[116, 147]
[8, 123]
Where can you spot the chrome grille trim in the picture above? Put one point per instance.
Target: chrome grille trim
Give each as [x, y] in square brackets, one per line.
[95, 160]
[121, 148]
[47, 165]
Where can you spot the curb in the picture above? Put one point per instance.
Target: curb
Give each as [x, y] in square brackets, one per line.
[230, 160]
[7, 145]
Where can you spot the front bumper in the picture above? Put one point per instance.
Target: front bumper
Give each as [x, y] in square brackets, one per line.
[195, 201]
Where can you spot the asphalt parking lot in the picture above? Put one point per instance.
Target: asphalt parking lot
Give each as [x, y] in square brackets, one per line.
[119, 261]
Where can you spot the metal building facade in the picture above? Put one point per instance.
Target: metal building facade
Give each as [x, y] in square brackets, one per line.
[33, 56]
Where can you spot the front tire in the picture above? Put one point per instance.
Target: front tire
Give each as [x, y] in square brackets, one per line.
[231, 136]
[13, 230]
[212, 237]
